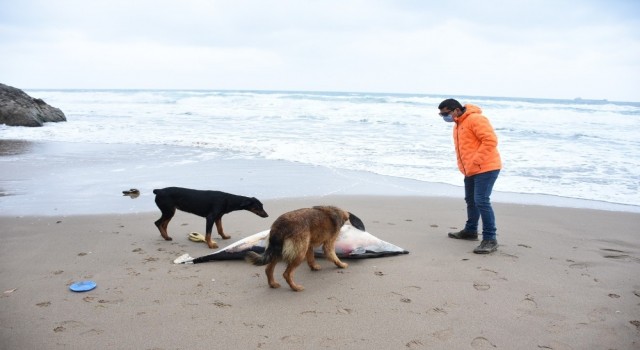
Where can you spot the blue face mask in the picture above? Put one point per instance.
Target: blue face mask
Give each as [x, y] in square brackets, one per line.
[448, 118]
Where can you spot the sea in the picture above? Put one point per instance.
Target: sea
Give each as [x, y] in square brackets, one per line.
[584, 150]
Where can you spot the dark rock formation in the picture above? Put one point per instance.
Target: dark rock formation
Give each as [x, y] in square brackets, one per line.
[19, 109]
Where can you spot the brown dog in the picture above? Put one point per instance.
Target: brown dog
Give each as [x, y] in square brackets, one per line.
[294, 235]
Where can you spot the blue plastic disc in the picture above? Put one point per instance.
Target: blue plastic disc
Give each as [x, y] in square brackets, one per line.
[82, 286]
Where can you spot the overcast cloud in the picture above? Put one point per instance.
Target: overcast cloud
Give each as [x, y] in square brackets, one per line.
[540, 49]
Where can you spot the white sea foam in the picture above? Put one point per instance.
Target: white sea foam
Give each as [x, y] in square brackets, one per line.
[577, 149]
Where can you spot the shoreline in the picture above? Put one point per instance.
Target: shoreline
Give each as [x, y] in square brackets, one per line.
[57, 178]
[562, 278]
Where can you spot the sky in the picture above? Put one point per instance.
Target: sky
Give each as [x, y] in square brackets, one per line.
[560, 49]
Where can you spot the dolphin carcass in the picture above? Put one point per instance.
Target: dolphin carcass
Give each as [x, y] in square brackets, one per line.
[351, 244]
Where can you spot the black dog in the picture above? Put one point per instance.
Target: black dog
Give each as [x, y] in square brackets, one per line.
[208, 204]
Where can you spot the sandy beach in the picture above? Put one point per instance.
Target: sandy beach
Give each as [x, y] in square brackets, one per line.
[562, 279]
[365, 106]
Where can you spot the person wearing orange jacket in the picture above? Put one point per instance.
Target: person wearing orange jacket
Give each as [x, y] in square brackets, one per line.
[479, 161]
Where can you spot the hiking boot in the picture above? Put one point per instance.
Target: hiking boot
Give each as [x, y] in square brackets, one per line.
[464, 234]
[486, 246]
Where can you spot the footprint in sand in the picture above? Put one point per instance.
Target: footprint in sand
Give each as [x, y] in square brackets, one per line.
[253, 325]
[491, 272]
[623, 257]
[618, 255]
[437, 310]
[342, 311]
[482, 343]
[92, 331]
[67, 324]
[150, 259]
[220, 304]
[527, 305]
[599, 314]
[481, 286]
[412, 288]
[291, 339]
[555, 345]
[529, 302]
[414, 344]
[613, 250]
[507, 255]
[580, 266]
[443, 334]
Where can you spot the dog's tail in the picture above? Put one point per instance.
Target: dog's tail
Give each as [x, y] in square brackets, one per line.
[260, 259]
[257, 259]
[271, 253]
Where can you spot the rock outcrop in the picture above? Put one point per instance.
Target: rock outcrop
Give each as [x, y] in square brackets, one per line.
[19, 109]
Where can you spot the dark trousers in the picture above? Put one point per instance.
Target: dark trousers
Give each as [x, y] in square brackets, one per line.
[477, 194]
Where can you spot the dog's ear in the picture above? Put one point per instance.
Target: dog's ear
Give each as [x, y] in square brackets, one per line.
[248, 201]
[356, 222]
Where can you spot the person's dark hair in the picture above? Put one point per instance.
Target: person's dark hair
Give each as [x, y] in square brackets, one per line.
[450, 104]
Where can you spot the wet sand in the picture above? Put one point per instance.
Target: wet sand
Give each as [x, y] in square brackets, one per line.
[58, 178]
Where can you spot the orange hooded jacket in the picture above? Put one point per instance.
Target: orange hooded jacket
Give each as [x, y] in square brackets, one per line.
[476, 143]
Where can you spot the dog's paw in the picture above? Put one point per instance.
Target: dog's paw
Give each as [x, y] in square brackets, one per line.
[297, 288]
[274, 285]
[342, 265]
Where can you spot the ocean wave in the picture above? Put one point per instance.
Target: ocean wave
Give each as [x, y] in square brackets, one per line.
[566, 148]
